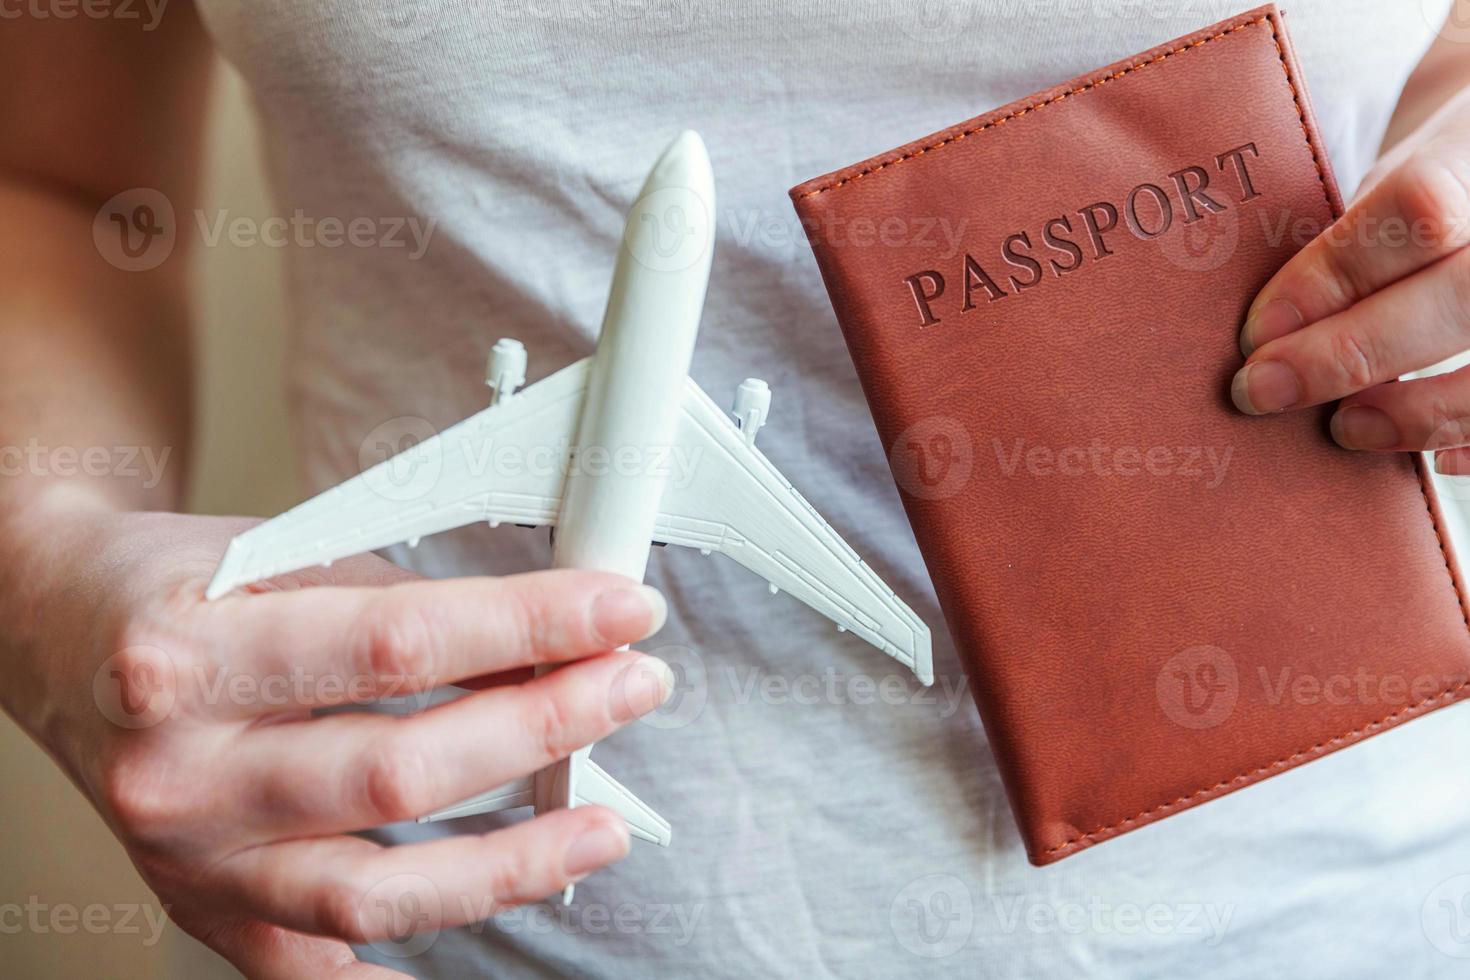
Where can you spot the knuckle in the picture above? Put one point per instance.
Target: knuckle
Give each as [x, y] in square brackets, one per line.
[136, 635]
[550, 724]
[337, 911]
[526, 624]
[1447, 427]
[1353, 363]
[143, 670]
[1433, 196]
[397, 641]
[511, 877]
[132, 792]
[397, 784]
[1457, 267]
[291, 795]
[1343, 276]
[140, 654]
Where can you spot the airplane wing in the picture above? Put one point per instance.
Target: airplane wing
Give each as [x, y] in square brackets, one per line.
[735, 502]
[506, 463]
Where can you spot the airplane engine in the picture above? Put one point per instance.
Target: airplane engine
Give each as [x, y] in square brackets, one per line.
[505, 369]
[752, 407]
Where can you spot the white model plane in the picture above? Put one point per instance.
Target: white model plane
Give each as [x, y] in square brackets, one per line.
[586, 450]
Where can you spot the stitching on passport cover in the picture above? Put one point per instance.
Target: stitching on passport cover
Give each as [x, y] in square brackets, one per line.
[1446, 695]
[1246, 778]
[1037, 106]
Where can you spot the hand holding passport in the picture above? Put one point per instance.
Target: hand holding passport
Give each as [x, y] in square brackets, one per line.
[1136, 639]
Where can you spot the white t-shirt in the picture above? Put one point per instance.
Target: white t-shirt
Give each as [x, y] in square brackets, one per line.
[832, 817]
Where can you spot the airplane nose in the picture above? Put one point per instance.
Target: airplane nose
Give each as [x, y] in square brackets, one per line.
[688, 141]
[684, 164]
[671, 226]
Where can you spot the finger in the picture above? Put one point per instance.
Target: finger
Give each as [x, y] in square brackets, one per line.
[1437, 127]
[368, 571]
[321, 647]
[355, 771]
[1428, 413]
[266, 952]
[486, 681]
[215, 534]
[353, 889]
[1410, 325]
[1411, 218]
[1453, 462]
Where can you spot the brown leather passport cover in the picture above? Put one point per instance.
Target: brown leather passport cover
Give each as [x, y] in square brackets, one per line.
[1158, 599]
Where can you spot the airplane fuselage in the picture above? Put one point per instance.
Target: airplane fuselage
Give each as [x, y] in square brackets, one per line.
[627, 429]
[631, 409]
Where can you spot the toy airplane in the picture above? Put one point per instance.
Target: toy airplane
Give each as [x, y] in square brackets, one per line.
[608, 420]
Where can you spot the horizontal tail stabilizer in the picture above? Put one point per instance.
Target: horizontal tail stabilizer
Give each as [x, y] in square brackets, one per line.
[507, 797]
[576, 781]
[596, 788]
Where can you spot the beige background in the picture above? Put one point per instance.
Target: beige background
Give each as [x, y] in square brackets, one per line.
[56, 850]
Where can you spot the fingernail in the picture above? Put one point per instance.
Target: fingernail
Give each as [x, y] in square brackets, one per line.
[598, 846]
[625, 615]
[1451, 462]
[643, 685]
[1263, 387]
[1274, 320]
[1364, 427]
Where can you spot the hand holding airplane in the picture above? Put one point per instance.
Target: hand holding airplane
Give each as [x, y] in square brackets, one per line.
[605, 424]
